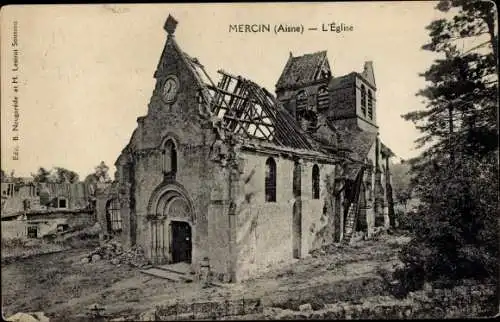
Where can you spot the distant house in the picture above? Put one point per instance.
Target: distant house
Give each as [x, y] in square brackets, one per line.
[33, 209]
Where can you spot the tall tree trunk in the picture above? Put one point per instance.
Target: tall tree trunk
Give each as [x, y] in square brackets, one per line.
[491, 30]
[450, 137]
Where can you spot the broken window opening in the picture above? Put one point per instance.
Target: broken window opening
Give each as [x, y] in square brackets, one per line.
[308, 120]
[322, 98]
[315, 182]
[363, 99]
[32, 231]
[370, 104]
[270, 182]
[114, 217]
[301, 101]
[62, 203]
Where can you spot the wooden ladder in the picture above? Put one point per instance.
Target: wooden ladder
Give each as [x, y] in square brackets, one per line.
[350, 223]
[353, 210]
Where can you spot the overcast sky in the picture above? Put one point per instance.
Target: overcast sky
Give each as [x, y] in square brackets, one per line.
[86, 72]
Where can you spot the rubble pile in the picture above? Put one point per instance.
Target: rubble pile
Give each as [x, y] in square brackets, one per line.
[114, 252]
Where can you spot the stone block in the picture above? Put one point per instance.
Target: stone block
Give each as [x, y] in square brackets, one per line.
[318, 315]
[365, 313]
[407, 312]
[148, 316]
[219, 308]
[305, 307]
[165, 311]
[185, 317]
[203, 310]
[348, 311]
[235, 307]
[335, 313]
[183, 308]
[252, 306]
[378, 312]
[358, 311]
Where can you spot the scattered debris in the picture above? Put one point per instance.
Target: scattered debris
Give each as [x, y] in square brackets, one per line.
[28, 317]
[148, 315]
[113, 251]
[95, 310]
[305, 307]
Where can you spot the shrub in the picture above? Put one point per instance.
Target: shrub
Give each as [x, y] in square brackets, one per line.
[454, 228]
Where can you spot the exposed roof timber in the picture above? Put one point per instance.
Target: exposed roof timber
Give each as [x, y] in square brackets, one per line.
[248, 104]
[246, 107]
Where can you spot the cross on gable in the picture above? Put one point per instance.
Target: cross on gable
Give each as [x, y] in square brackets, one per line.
[170, 25]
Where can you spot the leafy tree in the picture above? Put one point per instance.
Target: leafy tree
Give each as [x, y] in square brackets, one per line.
[456, 177]
[62, 175]
[462, 95]
[56, 175]
[401, 182]
[101, 172]
[42, 175]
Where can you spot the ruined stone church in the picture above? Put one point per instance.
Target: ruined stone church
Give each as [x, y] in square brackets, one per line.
[228, 173]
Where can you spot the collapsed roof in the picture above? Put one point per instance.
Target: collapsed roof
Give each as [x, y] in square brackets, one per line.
[249, 110]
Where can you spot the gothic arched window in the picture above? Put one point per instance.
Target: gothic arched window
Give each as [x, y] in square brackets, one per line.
[169, 157]
[315, 182]
[270, 184]
[363, 99]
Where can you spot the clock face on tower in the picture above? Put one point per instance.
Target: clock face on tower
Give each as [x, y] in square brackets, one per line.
[169, 90]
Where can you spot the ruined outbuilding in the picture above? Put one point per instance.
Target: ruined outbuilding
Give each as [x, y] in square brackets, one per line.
[228, 173]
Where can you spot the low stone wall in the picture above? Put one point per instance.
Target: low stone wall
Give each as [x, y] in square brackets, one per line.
[217, 309]
[464, 301]
[13, 229]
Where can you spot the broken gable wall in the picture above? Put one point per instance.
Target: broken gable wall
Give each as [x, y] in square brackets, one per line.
[180, 121]
[265, 230]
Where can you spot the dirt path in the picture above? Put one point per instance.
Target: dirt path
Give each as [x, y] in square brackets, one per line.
[61, 286]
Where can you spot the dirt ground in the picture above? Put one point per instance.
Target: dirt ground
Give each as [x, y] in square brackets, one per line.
[63, 287]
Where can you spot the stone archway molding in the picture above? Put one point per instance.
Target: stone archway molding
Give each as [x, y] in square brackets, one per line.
[164, 194]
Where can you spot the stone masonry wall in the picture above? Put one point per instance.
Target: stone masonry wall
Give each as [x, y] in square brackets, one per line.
[463, 301]
[218, 309]
[265, 230]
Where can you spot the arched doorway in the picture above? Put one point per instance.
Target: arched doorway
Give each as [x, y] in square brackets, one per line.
[171, 224]
[177, 213]
[181, 247]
